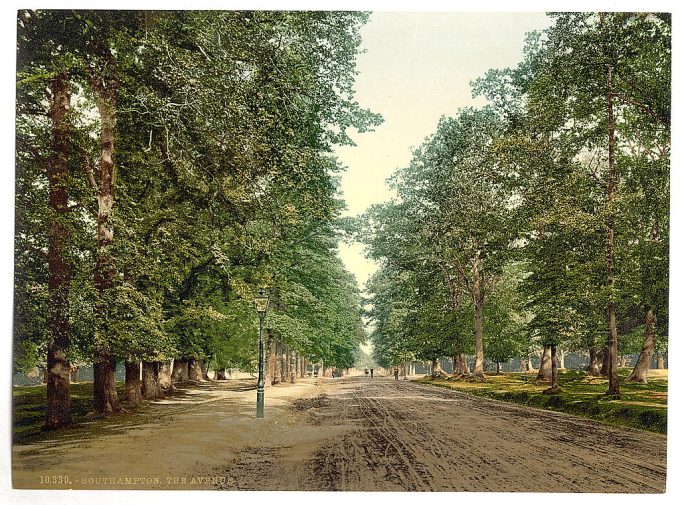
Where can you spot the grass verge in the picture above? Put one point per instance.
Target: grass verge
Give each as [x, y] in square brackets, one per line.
[29, 410]
[641, 406]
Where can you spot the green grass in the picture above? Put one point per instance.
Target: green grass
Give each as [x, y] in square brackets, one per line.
[29, 409]
[640, 406]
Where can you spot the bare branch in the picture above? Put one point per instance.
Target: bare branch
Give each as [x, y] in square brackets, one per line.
[146, 150]
[644, 107]
[463, 275]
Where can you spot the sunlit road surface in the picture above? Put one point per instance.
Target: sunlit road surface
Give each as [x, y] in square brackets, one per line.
[353, 433]
[413, 437]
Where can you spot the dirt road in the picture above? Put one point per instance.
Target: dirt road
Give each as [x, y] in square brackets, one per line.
[350, 434]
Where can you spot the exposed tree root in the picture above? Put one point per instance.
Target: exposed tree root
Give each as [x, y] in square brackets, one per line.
[439, 375]
[552, 391]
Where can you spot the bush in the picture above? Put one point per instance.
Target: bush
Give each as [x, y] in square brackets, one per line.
[653, 420]
[556, 402]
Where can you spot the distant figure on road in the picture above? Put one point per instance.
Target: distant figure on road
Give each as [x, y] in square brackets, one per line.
[366, 372]
[396, 373]
[371, 373]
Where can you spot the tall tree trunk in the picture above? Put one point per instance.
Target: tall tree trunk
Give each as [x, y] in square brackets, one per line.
[437, 370]
[105, 395]
[553, 372]
[660, 361]
[74, 373]
[464, 368]
[268, 360]
[498, 368]
[459, 361]
[595, 361]
[562, 356]
[133, 384]
[478, 302]
[604, 369]
[290, 365]
[273, 361]
[151, 388]
[292, 373]
[195, 370]
[278, 372]
[530, 365]
[639, 373]
[614, 388]
[191, 370]
[284, 362]
[180, 371]
[204, 369]
[58, 406]
[546, 365]
[165, 376]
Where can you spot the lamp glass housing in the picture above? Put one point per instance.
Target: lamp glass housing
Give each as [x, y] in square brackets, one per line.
[261, 302]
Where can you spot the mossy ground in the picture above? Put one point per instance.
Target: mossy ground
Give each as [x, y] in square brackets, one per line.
[640, 406]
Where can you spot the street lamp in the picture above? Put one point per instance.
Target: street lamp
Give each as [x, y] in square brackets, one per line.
[261, 304]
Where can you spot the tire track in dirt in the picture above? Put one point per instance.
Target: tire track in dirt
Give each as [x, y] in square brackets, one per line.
[415, 437]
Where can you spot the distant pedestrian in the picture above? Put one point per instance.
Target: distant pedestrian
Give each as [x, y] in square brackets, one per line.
[396, 373]
[371, 373]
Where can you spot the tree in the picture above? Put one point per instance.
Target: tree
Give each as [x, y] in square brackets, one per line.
[571, 105]
[602, 75]
[203, 139]
[45, 73]
[505, 317]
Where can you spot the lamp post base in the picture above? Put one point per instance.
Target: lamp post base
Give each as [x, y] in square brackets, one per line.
[260, 403]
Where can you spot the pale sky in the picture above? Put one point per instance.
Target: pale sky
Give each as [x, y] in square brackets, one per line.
[417, 67]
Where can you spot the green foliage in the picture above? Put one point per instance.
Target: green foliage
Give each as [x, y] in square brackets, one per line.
[444, 240]
[224, 181]
[504, 318]
[518, 189]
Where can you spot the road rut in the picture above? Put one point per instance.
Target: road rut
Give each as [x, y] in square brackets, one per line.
[404, 436]
[354, 433]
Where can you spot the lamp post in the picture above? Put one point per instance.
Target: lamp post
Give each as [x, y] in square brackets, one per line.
[261, 304]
